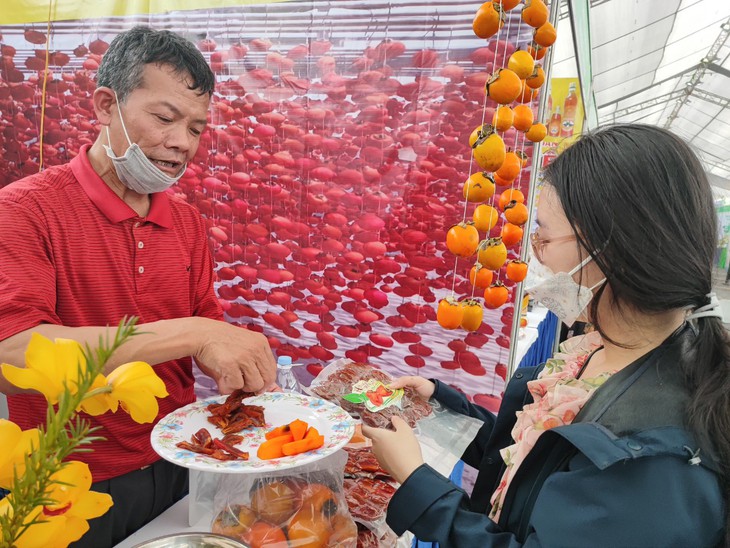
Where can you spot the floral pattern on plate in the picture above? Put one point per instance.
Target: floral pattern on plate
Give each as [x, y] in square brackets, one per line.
[333, 422]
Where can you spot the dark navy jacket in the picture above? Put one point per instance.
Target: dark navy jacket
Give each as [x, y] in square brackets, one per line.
[623, 474]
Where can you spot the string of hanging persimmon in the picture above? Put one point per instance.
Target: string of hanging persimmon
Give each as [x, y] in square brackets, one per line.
[517, 80]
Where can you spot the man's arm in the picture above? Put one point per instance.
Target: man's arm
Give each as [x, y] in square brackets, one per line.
[232, 356]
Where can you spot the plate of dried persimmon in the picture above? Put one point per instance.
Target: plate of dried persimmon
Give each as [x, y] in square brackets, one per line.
[225, 433]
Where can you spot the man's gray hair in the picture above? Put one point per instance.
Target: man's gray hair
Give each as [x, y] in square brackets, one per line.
[122, 65]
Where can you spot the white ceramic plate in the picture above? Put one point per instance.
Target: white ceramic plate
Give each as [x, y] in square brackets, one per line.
[280, 408]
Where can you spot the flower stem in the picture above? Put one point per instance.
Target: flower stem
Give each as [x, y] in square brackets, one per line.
[59, 438]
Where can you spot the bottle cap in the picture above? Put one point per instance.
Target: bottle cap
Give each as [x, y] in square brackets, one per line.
[283, 361]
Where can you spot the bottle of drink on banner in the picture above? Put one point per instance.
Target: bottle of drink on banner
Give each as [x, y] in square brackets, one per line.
[555, 123]
[549, 154]
[569, 108]
[285, 376]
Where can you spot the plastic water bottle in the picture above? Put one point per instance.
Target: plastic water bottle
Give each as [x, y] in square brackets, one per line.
[285, 376]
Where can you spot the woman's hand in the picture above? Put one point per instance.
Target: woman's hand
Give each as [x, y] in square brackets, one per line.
[398, 452]
[424, 387]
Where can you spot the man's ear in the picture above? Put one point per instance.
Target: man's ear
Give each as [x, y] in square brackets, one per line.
[105, 102]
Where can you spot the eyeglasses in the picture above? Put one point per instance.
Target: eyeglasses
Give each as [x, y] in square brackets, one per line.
[538, 244]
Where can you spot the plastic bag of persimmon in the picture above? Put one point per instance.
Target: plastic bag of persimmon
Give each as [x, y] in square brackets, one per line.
[303, 506]
[362, 390]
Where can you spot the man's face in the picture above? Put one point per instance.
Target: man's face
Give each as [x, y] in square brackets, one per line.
[163, 116]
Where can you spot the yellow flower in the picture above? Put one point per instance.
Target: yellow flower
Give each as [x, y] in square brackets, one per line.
[100, 403]
[18, 444]
[65, 521]
[48, 365]
[135, 386]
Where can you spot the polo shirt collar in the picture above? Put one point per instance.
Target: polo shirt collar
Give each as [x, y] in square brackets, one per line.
[111, 205]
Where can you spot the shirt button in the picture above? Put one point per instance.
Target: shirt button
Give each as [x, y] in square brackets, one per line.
[136, 224]
[140, 270]
[490, 460]
[633, 445]
[140, 245]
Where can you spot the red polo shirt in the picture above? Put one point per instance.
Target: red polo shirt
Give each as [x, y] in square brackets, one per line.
[73, 253]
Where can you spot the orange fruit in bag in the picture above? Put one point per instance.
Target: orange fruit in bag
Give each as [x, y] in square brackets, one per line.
[344, 531]
[308, 530]
[265, 535]
[275, 501]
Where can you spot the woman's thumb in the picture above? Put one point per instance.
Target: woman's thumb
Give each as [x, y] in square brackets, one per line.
[400, 382]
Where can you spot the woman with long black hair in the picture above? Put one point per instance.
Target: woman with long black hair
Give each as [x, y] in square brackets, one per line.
[623, 437]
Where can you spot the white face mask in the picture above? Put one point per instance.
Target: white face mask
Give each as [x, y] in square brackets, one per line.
[135, 170]
[559, 292]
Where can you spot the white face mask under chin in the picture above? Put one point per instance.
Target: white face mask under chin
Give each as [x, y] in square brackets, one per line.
[559, 292]
[135, 170]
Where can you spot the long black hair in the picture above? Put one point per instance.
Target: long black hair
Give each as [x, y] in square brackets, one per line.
[639, 200]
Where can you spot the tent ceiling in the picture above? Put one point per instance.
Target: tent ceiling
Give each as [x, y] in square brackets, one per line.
[666, 63]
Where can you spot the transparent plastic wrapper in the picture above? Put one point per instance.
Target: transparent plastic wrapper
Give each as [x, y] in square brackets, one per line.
[442, 433]
[368, 489]
[293, 508]
[361, 390]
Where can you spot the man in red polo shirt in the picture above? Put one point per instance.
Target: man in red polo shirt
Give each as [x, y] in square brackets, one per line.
[85, 244]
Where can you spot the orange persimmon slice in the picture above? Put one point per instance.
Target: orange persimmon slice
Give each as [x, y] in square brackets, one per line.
[272, 449]
[298, 429]
[302, 446]
[278, 431]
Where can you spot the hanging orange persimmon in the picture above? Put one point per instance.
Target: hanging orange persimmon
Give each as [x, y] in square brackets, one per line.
[545, 35]
[523, 117]
[479, 187]
[537, 78]
[485, 217]
[462, 239]
[489, 150]
[516, 270]
[507, 4]
[535, 13]
[510, 168]
[504, 86]
[502, 119]
[516, 213]
[536, 133]
[508, 195]
[480, 276]
[527, 94]
[495, 295]
[521, 63]
[511, 234]
[488, 20]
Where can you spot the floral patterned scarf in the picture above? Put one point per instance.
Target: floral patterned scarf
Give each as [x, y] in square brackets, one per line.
[558, 397]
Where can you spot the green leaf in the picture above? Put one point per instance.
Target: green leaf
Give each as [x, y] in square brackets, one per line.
[355, 398]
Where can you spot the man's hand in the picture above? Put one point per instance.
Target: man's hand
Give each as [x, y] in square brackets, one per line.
[234, 357]
[397, 452]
